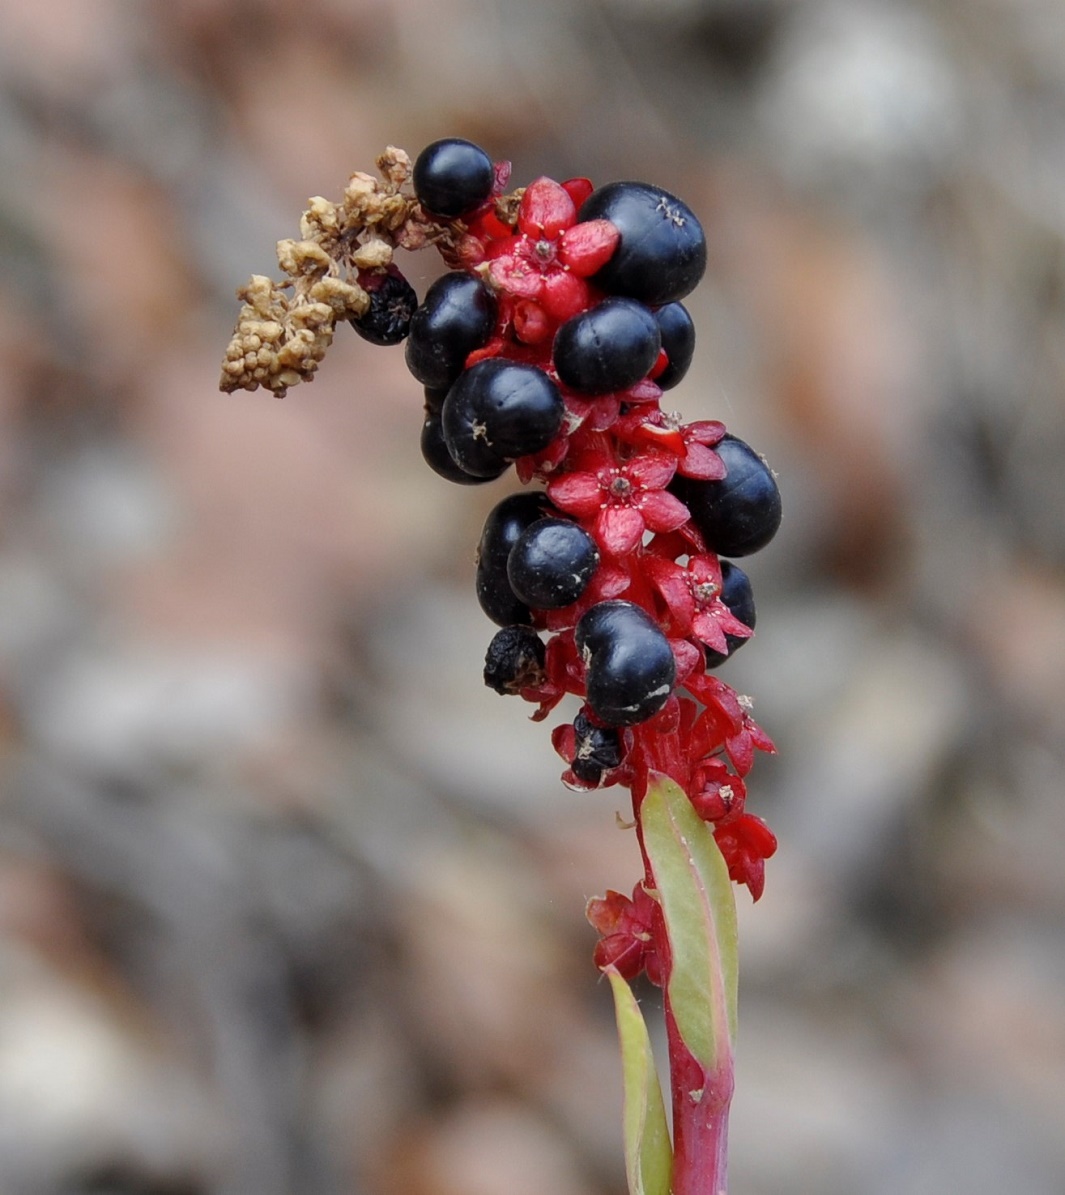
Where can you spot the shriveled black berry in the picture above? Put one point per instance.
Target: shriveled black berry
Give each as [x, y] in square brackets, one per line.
[598, 749]
[499, 410]
[392, 303]
[609, 347]
[630, 670]
[452, 176]
[661, 255]
[439, 459]
[739, 514]
[457, 316]
[678, 339]
[551, 564]
[502, 529]
[738, 596]
[514, 661]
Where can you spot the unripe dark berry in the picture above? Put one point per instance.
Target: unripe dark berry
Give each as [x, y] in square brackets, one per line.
[392, 303]
[678, 339]
[514, 660]
[502, 529]
[597, 750]
[439, 459]
[738, 596]
[739, 514]
[630, 670]
[457, 316]
[551, 564]
[452, 176]
[662, 252]
[609, 347]
[499, 410]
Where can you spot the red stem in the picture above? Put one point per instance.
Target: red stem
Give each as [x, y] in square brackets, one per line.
[701, 1101]
[701, 1097]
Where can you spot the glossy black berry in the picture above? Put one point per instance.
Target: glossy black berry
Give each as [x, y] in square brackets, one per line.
[499, 410]
[678, 339]
[502, 529]
[609, 347]
[392, 303]
[551, 564]
[738, 596]
[630, 666]
[739, 514]
[457, 316]
[514, 660]
[597, 749]
[452, 176]
[439, 459]
[661, 255]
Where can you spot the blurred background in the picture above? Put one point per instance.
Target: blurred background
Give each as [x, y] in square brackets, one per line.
[290, 902]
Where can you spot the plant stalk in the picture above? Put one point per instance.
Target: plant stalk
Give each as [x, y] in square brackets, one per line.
[701, 1100]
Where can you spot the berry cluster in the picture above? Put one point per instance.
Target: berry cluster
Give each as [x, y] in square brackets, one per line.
[548, 346]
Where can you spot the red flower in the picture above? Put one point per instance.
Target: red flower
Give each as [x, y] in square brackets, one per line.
[715, 792]
[727, 722]
[545, 264]
[628, 932]
[621, 499]
[693, 596]
[691, 443]
[746, 843]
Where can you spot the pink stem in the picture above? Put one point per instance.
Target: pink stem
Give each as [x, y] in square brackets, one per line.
[701, 1101]
[701, 1097]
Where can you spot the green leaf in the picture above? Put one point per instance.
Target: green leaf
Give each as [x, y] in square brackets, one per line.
[648, 1156]
[700, 914]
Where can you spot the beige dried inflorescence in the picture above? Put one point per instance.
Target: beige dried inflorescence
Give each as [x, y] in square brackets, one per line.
[284, 328]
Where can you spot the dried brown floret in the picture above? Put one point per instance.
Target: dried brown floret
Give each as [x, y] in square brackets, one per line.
[285, 327]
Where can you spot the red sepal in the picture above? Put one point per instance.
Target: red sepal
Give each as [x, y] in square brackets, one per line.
[578, 189]
[586, 248]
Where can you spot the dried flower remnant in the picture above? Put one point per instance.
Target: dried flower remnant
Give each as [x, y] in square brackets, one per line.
[285, 327]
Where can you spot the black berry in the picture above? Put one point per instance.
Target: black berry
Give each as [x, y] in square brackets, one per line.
[597, 750]
[610, 347]
[739, 514]
[439, 459]
[551, 564]
[738, 596]
[514, 661]
[678, 339]
[502, 529]
[499, 410]
[452, 176]
[630, 666]
[662, 252]
[392, 303]
[457, 316]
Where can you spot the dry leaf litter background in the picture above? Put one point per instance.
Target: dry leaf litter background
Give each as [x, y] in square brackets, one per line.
[289, 902]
